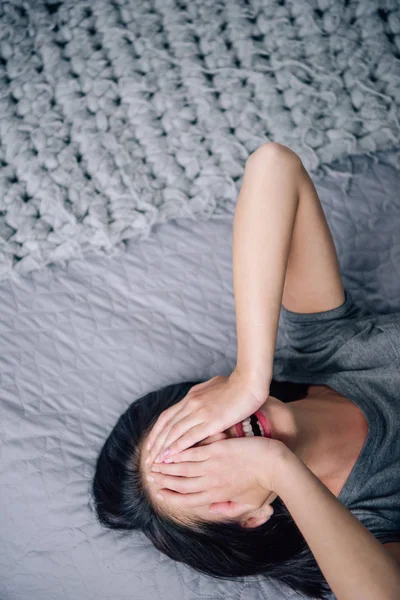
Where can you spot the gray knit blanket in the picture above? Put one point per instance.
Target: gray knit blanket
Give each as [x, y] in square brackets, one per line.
[118, 114]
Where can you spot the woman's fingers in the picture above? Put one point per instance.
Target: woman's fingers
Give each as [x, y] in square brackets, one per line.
[161, 422]
[199, 453]
[174, 423]
[192, 433]
[167, 415]
[185, 500]
[183, 485]
[186, 469]
[229, 508]
[193, 499]
[163, 431]
[177, 427]
[213, 438]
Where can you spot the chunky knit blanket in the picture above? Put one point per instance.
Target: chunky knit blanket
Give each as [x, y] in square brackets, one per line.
[117, 114]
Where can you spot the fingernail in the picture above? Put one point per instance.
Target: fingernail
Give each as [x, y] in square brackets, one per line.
[146, 462]
[168, 460]
[148, 446]
[159, 496]
[166, 452]
[150, 478]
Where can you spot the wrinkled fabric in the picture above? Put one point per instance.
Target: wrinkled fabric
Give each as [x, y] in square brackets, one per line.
[79, 343]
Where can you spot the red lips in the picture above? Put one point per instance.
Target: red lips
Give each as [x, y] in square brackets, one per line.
[262, 419]
[239, 430]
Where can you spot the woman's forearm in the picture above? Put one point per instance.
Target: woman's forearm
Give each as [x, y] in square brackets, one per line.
[354, 563]
[262, 232]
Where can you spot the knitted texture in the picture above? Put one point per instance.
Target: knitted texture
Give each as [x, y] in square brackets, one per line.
[118, 114]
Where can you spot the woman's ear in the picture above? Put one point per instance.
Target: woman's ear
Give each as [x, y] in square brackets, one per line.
[246, 514]
[259, 516]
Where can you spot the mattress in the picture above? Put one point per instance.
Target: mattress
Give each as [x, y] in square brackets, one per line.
[80, 342]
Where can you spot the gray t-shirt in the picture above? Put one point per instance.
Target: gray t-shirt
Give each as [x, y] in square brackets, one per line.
[357, 354]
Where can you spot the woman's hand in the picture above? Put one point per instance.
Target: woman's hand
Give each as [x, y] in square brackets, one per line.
[208, 408]
[241, 471]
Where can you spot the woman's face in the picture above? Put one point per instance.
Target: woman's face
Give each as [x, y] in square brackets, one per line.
[172, 507]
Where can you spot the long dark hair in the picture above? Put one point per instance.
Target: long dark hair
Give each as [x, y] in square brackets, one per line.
[276, 549]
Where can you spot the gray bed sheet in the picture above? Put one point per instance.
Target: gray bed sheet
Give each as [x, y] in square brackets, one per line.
[79, 343]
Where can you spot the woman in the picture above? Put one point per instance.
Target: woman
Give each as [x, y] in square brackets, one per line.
[320, 473]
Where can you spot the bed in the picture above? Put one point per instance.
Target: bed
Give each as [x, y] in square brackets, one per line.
[79, 343]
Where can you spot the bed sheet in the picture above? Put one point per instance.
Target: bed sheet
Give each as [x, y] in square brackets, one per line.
[79, 343]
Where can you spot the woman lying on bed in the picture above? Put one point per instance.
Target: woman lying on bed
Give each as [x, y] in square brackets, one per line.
[252, 480]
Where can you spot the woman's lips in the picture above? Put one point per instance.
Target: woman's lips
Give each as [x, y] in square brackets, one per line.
[262, 419]
[265, 424]
[239, 430]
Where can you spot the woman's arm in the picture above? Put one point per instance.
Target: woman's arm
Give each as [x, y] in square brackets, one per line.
[283, 252]
[262, 230]
[281, 245]
[354, 563]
